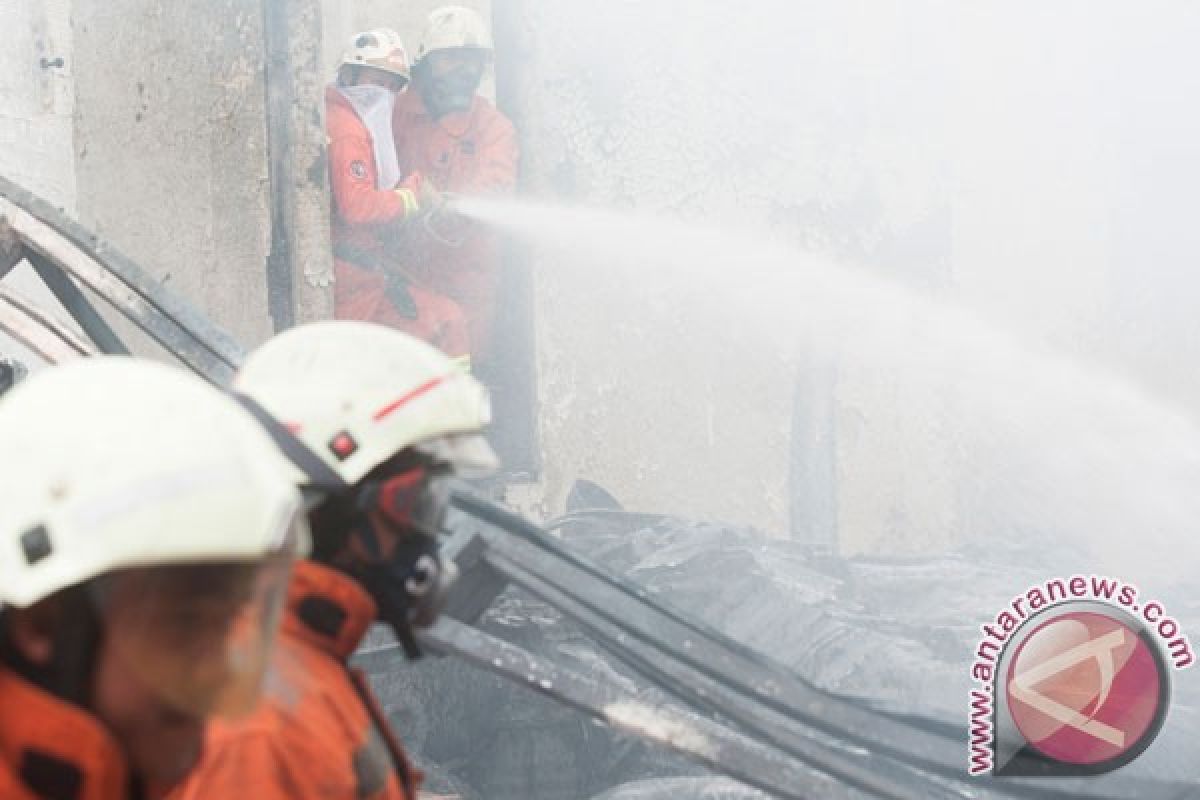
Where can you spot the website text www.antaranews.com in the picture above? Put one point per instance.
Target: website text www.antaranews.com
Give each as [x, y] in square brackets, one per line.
[1039, 598]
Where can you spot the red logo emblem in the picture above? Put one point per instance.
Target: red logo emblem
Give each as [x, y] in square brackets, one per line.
[1085, 688]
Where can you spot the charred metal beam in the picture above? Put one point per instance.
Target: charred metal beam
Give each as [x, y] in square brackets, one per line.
[50, 339]
[77, 305]
[869, 771]
[12, 372]
[479, 583]
[11, 251]
[180, 328]
[712, 671]
[700, 739]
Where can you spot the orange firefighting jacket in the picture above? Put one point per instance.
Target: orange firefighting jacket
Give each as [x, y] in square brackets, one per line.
[362, 294]
[359, 208]
[49, 748]
[473, 152]
[365, 222]
[318, 734]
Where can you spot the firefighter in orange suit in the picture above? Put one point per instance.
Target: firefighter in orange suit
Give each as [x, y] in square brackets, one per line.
[458, 140]
[320, 736]
[374, 201]
[146, 538]
[384, 421]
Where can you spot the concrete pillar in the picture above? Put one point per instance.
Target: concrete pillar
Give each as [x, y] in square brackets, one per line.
[172, 149]
[300, 254]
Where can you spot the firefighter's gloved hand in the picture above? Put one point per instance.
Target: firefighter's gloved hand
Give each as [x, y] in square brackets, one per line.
[445, 224]
[400, 297]
[409, 191]
[419, 195]
[408, 198]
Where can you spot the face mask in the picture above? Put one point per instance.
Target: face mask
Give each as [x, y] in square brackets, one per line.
[452, 91]
[394, 550]
[374, 104]
[367, 97]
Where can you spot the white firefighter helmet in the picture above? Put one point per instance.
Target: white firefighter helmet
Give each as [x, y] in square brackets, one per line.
[380, 49]
[357, 394]
[113, 463]
[454, 27]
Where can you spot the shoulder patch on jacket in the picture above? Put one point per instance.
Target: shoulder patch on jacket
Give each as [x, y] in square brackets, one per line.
[358, 169]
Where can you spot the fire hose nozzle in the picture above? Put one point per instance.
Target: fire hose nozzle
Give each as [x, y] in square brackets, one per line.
[441, 220]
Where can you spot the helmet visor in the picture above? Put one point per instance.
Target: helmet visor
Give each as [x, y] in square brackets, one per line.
[468, 454]
[199, 636]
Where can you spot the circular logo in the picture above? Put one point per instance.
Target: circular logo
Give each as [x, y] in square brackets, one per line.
[1086, 688]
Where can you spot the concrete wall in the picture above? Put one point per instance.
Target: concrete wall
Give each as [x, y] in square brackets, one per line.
[36, 102]
[171, 149]
[170, 146]
[36, 106]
